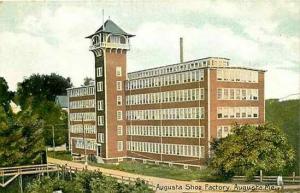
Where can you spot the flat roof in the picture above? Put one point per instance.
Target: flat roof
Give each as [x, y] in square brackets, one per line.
[178, 64]
[80, 87]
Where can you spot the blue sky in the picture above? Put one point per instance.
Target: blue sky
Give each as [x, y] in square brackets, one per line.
[45, 37]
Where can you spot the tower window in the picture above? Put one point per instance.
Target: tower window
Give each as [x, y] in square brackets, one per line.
[120, 130]
[99, 72]
[119, 116]
[119, 100]
[100, 120]
[119, 71]
[119, 85]
[99, 86]
[100, 105]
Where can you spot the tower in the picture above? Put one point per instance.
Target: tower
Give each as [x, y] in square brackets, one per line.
[110, 44]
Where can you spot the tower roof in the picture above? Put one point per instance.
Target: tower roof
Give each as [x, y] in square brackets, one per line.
[111, 27]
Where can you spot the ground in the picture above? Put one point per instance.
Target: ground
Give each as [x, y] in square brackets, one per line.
[164, 185]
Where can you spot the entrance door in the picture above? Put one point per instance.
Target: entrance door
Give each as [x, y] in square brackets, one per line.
[99, 152]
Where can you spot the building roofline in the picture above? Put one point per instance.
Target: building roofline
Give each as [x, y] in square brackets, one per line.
[177, 64]
[80, 87]
[226, 67]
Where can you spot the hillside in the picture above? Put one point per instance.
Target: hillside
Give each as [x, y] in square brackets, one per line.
[286, 115]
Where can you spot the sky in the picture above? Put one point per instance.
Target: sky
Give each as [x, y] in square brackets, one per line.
[45, 37]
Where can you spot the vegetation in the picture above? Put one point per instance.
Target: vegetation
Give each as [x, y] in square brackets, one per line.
[163, 171]
[38, 92]
[5, 94]
[23, 136]
[86, 182]
[63, 155]
[250, 149]
[41, 88]
[21, 140]
[87, 81]
[286, 115]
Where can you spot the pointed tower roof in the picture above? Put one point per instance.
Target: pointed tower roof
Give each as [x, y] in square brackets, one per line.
[111, 27]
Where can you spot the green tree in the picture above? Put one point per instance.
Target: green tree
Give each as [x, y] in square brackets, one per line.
[5, 95]
[87, 81]
[250, 149]
[38, 92]
[21, 141]
[42, 87]
[54, 118]
[285, 115]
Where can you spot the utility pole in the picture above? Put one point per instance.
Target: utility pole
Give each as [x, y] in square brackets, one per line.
[84, 143]
[53, 141]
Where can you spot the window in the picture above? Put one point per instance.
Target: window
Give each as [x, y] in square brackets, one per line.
[219, 93]
[99, 86]
[119, 85]
[100, 105]
[101, 137]
[100, 120]
[120, 130]
[99, 72]
[119, 116]
[119, 100]
[119, 71]
[120, 145]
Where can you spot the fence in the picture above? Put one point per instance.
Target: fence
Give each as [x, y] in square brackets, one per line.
[269, 179]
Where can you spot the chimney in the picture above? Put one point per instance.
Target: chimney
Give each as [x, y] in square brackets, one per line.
[181, 49]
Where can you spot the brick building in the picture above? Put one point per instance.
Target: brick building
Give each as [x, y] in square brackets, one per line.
[168, 114]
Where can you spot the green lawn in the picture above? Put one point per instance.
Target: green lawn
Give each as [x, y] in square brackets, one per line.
[64, 155]
[163, 171]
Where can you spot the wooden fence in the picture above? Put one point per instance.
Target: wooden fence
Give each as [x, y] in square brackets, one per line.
[269, 179]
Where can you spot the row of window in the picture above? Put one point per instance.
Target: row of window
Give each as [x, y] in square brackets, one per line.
[82, 104]
[100, 86]
[237, 112]
[166, 131]
[84, 91]
[87, 116]
[237, 75]
[88, 128]
[89, 144]
[166, 97]
[100, 119]
[166, 80]
[166, 114]
[99, 71]
[168, 149]
[237, 94]
[179, 67]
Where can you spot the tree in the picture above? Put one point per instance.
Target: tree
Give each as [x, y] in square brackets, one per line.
[42, 87]
[5, 95]
[250, 149]
[54, 118]
[87, 81]
[38, 92]
[21, 140]
[285, 115]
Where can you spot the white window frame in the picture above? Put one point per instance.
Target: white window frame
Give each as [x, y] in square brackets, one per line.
[119, 86]
[118, 71]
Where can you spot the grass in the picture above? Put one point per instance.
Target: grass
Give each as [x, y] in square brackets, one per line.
[63, 155]
[162, 171]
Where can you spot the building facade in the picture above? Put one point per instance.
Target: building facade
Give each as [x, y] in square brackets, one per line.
[168, 114]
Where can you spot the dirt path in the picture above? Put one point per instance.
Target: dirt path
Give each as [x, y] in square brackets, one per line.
[163, 185]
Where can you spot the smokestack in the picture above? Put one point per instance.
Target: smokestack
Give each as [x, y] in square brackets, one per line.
[181, 49]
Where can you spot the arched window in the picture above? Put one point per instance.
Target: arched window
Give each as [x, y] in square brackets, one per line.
[123, 40]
